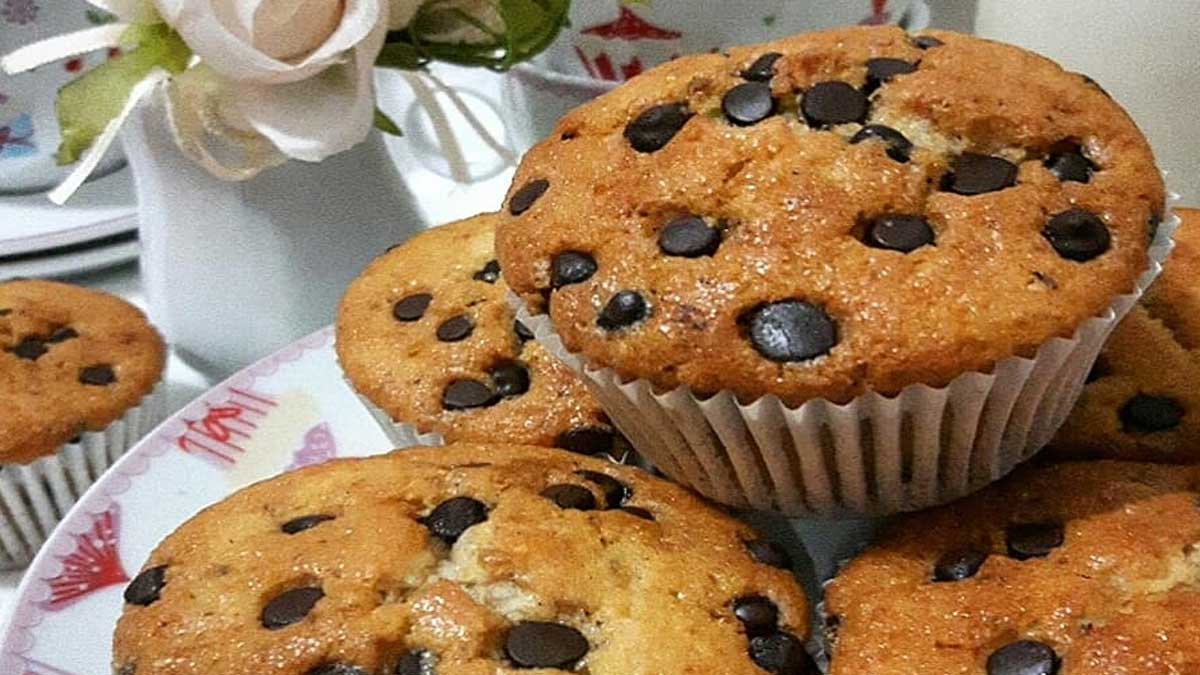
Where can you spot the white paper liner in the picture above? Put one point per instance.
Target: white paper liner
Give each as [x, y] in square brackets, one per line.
[34, 497]
[874, 455]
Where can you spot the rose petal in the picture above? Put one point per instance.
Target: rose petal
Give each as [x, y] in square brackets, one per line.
[213, 35]
[320, 116]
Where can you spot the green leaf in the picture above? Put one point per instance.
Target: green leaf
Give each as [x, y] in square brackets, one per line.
[386, 124]
[88, 104]
[528, 27]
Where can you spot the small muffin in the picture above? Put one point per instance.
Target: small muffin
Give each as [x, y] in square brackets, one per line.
[1077, 568]
[837, 218]
[79, 371]
[427, 336]
[1142, 401]
[463, 560]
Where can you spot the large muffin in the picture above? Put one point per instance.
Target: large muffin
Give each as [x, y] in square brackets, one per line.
[840, 212]
[426, 336]
[72, 360]
[468, 559]
[1075, 569]
[1143, 399]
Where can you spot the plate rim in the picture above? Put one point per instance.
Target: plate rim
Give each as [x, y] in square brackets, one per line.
[17, 637]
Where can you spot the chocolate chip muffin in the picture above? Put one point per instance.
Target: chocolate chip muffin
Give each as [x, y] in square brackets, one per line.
[1078, 569]
[427, 336]
[1142, 401]
[468, 559]
[837, 213]
[72, 360]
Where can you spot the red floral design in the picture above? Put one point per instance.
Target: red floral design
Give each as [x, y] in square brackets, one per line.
[218, 434]
[319, 447]
[94, 564]
[630, 26]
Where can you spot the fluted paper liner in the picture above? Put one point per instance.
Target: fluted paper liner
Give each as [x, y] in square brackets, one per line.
[875, 455]
[34, 497]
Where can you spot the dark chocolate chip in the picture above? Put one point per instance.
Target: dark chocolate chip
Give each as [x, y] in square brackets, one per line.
[769, 553]
[527, 196]
[1094, 83]
[1145, 414]
[748, 103]
[830, 103]
[99, 375]
[899, 233]
[452, 517]
[974, 174]
[62, 335]
[522, 331]
[623, 310]
[568, 496]
[781, 654]
[30, 349]
[587, 440]
[1077, 235]
[763, 68]
[689, 237]
[541, 644]
[1033, 540]
[926, 42]
[759, 616]
[654, 128]
[298, 525]
[4, 311]
[959, 564]
[456, 329]
[638, 512]
[337, 669]
[1023, 658]
[414, 663]
[571, 267]
[145, 588]
[898, 147]
[467, 394]
[290, 607]
[510, 379]
[412, 308]
[790, 331]
[615, 492]
[1071, 166]
[883, 69]
[490, 273]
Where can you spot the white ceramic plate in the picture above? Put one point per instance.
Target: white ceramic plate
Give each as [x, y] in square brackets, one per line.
[289, 410]
[73, 260]
[101, 209]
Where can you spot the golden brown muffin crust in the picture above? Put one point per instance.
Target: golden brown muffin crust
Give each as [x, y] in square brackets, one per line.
[1143, 400]
[649, 596]
[792, 204]
[1119, 595]
[53, 337]
[405, 368]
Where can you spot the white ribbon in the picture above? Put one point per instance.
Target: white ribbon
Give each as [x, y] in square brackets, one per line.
[62, 47]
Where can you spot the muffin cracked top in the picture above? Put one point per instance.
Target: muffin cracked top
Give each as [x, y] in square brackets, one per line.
[464, 560]
[71, 360]
[840, 212]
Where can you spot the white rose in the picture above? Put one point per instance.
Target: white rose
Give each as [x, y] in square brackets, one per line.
[298, 72]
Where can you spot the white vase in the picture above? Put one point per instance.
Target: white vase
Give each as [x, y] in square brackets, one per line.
[235, 270]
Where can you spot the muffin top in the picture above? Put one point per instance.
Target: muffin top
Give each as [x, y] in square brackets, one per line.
[468, 559]
[1142, 401]
[71, 360]
[426, 334]
[1079, 569]
[834, 213]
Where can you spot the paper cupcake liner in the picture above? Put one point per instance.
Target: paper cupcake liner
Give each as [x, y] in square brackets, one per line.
[874, 455]
[35, 497]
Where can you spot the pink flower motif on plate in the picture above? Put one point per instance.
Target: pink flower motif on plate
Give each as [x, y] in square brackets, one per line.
[20, 12]
[94, 564]
[219, 434]
[319, 447]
